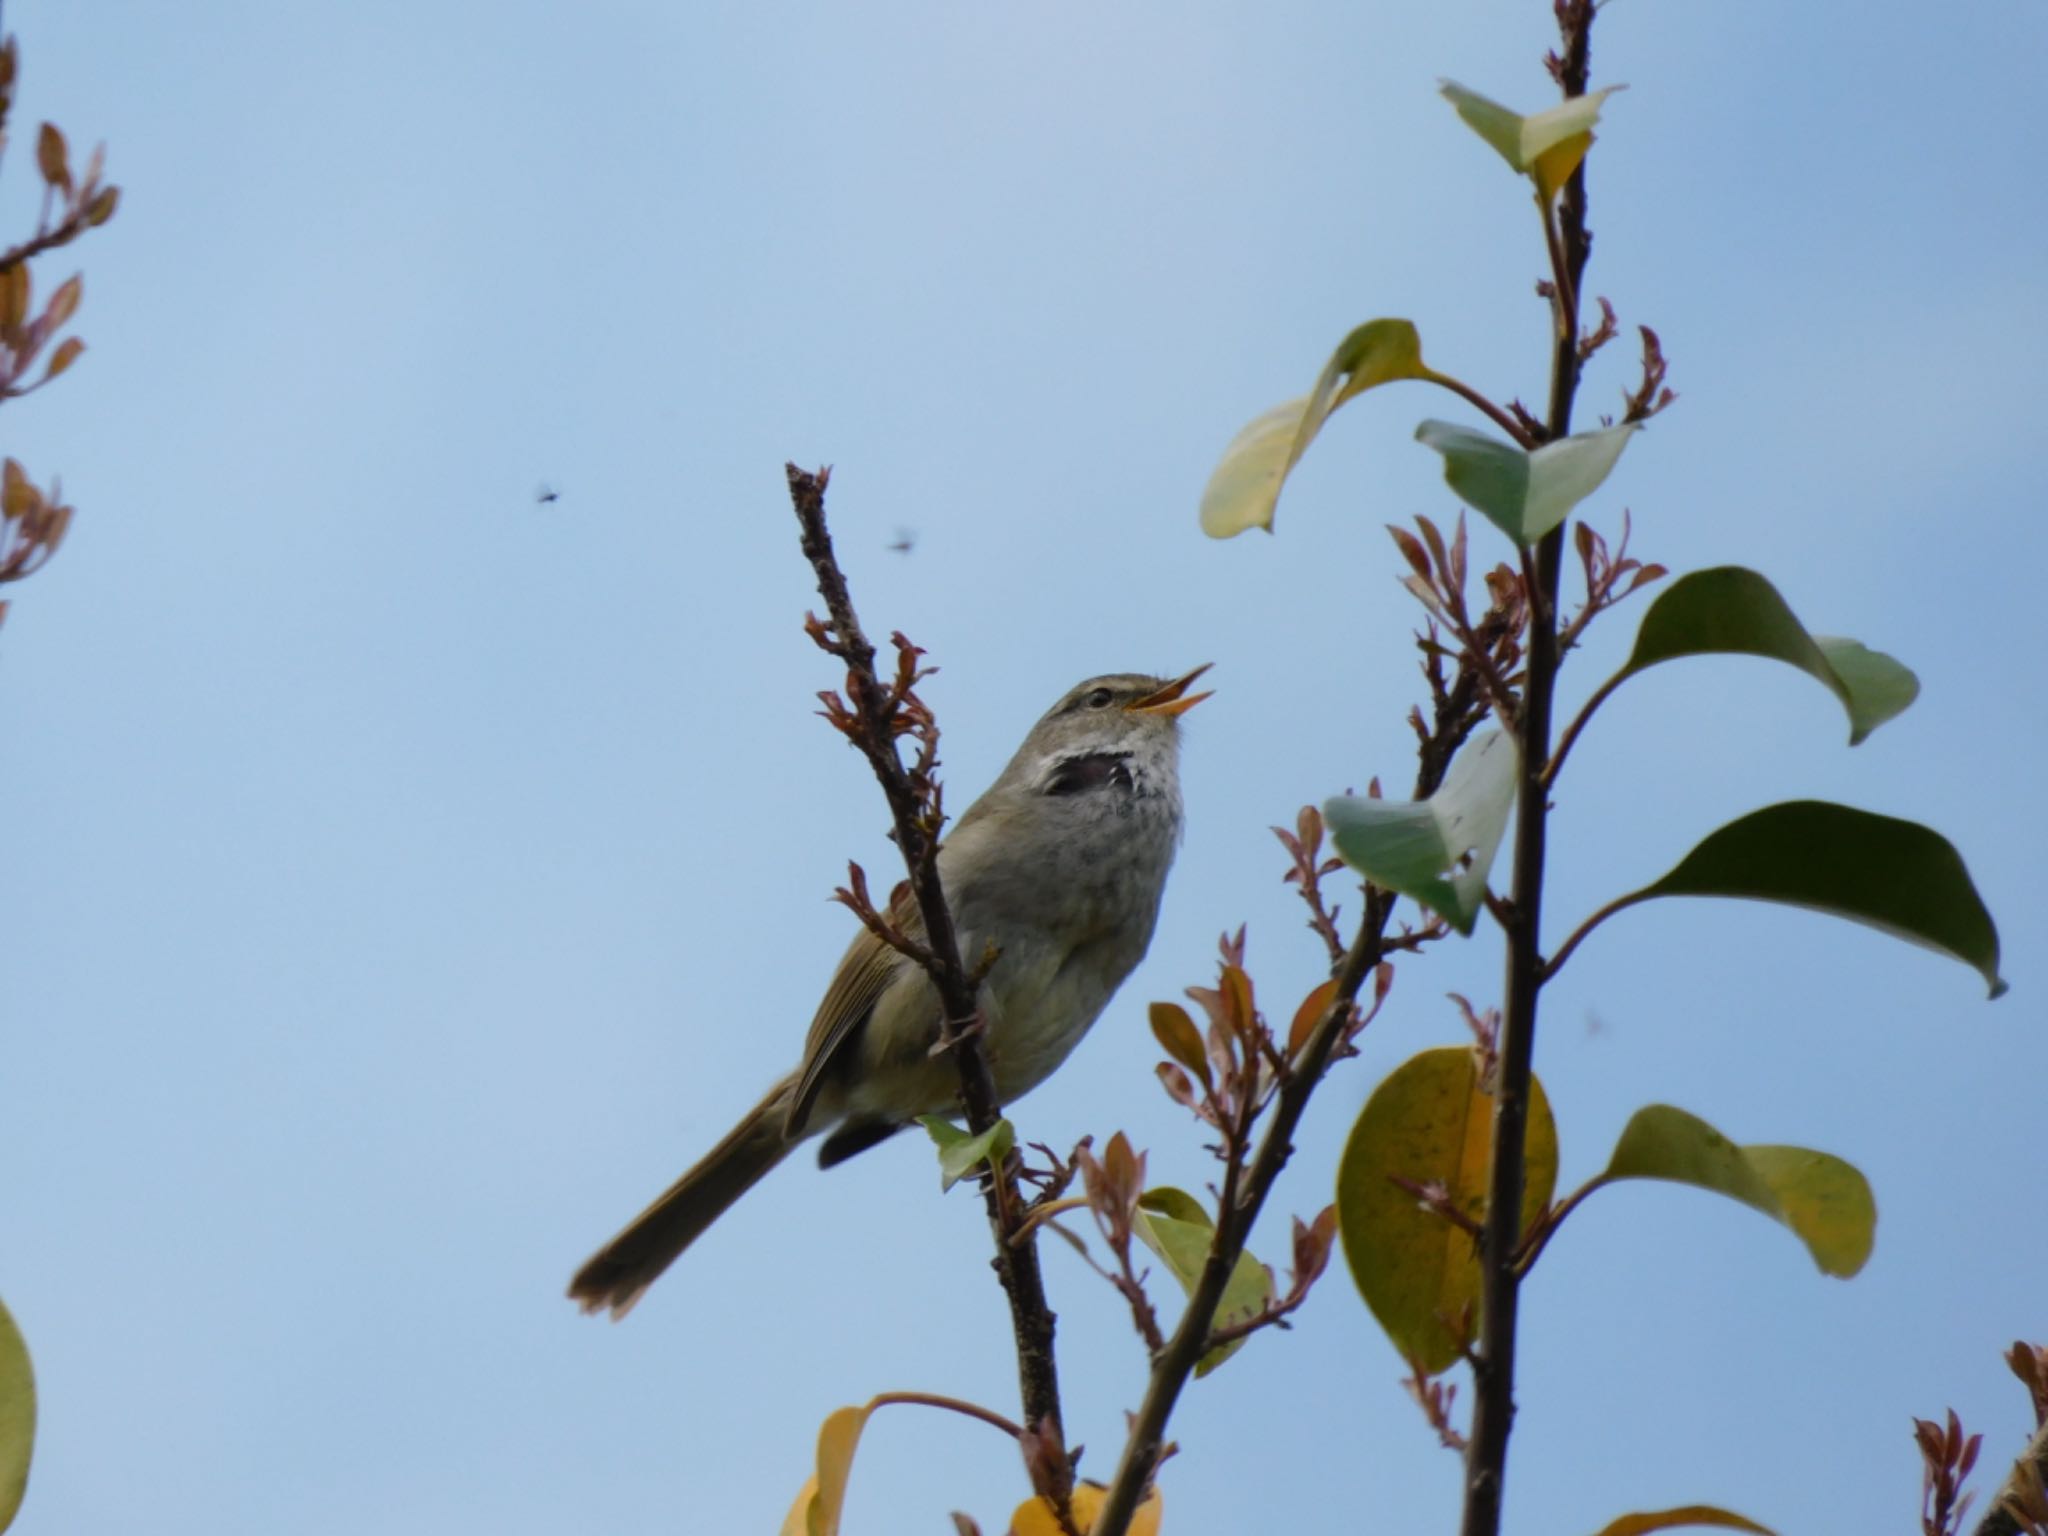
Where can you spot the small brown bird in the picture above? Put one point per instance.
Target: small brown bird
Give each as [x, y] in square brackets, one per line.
[1060, 866]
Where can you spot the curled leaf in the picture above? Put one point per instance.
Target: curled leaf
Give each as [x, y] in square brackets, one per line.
[1245, 486]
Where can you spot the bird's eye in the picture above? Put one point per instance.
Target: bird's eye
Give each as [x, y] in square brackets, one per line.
[1099, 699]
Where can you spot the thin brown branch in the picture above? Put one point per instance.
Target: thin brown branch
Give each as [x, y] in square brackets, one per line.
[1494, 413]
[952, 1404]
[873, 728]
[1620, 903]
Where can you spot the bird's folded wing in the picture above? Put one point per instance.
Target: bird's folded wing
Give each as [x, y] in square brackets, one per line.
[865, 970]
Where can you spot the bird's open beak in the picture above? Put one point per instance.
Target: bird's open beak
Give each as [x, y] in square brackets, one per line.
[1173, 699]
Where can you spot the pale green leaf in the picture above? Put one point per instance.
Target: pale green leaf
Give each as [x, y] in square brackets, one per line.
[962, 1155]
[1524, 494]
[1437, 851]
[1824, 1200]
[1173, 1224]
[1245, 487]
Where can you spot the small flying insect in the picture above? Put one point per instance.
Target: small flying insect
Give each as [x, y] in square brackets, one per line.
[906, 541]
[546, 494]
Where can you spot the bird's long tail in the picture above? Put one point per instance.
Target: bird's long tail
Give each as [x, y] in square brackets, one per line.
[619, 1273]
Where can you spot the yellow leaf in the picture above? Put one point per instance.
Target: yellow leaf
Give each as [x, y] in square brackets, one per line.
[1245, 486]
[816, 1510]
[1430, 1125]
[1691, 1514]
[1035, 1517]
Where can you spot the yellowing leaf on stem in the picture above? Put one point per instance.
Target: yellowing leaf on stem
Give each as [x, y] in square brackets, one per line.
[1689, 1515]
[1036, 1517]
[1544, 146]
[1826, 1202]
[817, 1507]
[17, 1417]
[1429, 1127]
[1245, 486]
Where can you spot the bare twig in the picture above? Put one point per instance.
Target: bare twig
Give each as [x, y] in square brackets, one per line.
[875, 715]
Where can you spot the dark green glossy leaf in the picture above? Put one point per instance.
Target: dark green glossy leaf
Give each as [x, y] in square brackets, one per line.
[1732, 610]
[1897, 876]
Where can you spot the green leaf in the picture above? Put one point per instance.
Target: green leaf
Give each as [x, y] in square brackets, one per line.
[1173, 1224]
[1524, 494]
[1731, 610]
[1824, 1200]
[1547, 146]
[962, 1155]
[1429, 1123]
[1438, 850]
[1245, 486]
[17, 1417]
[1691, 1514]
[1896, 876]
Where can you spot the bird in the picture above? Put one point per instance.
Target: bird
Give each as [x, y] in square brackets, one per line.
[1060, 866]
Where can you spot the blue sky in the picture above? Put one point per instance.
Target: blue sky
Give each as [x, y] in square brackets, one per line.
[404, 880]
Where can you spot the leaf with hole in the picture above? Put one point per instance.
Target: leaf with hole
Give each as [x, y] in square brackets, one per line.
[1525, 494]
[1430, 1125]
[1733, 611]
[1438, 850]
[1245, 486]
[963, 1155]
[1822, 1199]
[1895, 876]
[1173, 1224]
